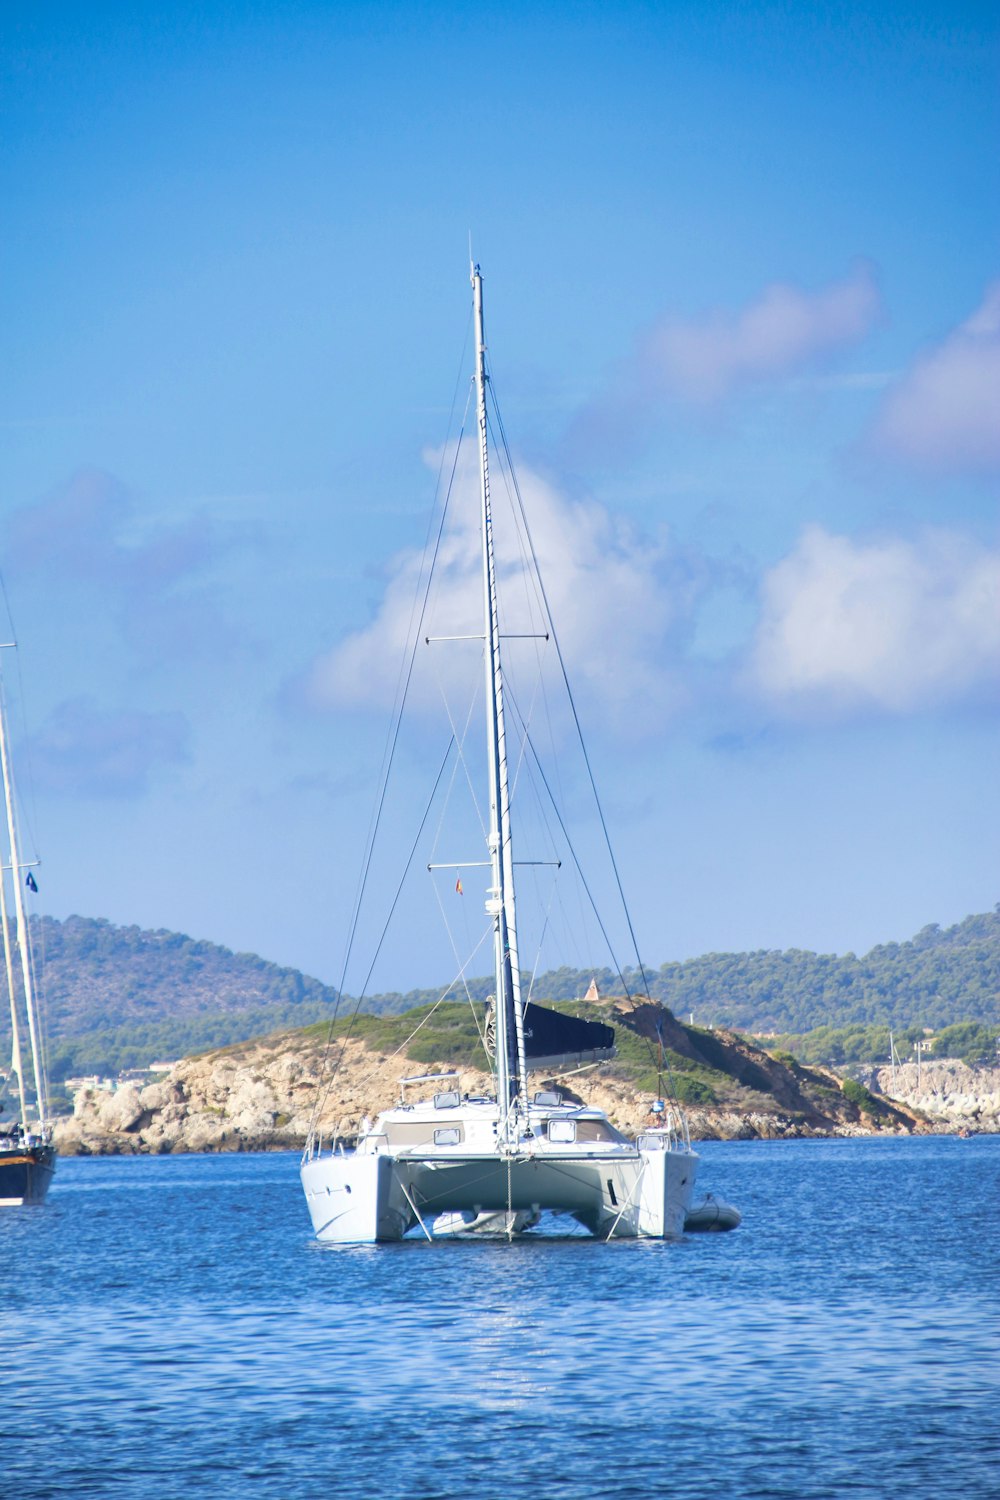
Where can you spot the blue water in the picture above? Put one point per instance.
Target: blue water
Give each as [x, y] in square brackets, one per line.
[170, 1328]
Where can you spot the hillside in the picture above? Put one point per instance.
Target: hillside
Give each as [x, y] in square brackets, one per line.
[98, 973]
[120, 996]
[937, 978]
[262, 1094]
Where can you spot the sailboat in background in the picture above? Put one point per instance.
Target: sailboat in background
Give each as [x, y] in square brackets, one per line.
[456, 1163]
[27, 1155]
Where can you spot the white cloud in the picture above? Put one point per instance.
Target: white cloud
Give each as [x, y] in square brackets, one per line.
[945, 412]
[615, 597]
[888, 624]
[784, 330]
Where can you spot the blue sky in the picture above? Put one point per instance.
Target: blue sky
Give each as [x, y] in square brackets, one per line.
[742, 279]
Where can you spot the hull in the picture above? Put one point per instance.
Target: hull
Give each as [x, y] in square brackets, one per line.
[355, 1199]
[365, 1198]
[483, 1226]
[25, 1174]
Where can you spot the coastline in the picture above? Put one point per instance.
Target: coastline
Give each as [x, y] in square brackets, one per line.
[743, 1128]
[262, 1096]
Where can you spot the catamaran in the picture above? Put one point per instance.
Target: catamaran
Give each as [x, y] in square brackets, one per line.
[27, 1155]
[455, 1163]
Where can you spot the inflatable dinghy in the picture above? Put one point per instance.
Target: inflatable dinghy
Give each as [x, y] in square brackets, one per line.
[711, 1213]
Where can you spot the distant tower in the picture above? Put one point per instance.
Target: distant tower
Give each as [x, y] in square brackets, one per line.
[593, 993]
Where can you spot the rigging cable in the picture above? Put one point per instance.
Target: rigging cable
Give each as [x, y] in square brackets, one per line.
[569, 844]
[569, 694]
[461, 761]
[385, 928]
[392, 738]
[28, 809]
[440, 1001]
[392, 741]
[586, 886]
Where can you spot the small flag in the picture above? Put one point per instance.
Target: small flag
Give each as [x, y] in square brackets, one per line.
[458, 886]
[31, 882]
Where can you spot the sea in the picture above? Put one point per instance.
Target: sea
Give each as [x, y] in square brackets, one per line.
[171, 1328]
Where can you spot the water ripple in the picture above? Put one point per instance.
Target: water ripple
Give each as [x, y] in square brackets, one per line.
[173, 1330]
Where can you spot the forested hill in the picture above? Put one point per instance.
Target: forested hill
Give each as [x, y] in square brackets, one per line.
[119, 996]
[97, 974]
[938, 977]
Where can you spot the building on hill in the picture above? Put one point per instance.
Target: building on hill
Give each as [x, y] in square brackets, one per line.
[92, 1081]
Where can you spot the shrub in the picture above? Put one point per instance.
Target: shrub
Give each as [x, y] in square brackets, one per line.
[859, 1095]
[689, 1090]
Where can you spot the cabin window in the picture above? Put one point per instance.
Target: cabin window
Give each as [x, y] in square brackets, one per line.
[401, 1134]
[562, 1131]
[451, 1099]
[448, 1135]
[550, 1097]
[597, 1130]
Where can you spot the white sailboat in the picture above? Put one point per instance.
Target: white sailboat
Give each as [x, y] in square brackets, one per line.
[493, 1164]
[27, 1155]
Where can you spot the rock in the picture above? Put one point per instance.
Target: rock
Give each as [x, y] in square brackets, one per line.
[269, 1093]
[120, 1111]
[157, 1096]
[949, 1091]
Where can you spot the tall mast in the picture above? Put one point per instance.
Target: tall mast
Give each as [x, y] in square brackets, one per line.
[511, 1074]
[15, 1022]
[22, 925]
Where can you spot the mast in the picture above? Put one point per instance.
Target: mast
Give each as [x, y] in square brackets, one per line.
[15, 1023]
[510, 1067]
[22, 925]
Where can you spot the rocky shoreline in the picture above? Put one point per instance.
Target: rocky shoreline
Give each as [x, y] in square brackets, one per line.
[267, 1094]
[952, 1094]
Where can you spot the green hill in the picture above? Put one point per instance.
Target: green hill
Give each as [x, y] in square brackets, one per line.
[935, 979]
[120, 997]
